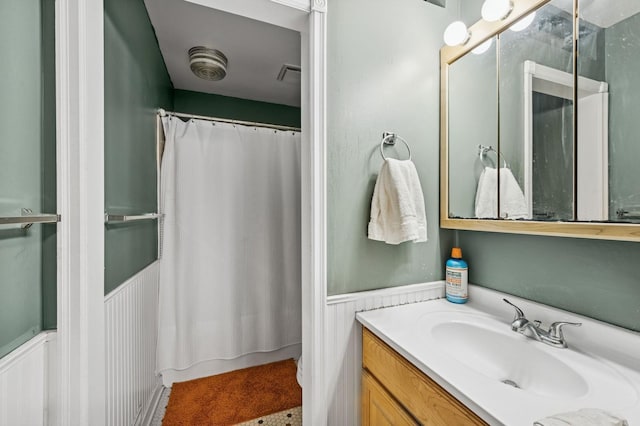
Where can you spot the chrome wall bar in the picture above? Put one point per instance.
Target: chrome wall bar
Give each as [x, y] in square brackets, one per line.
[119, 218]
[28, 218]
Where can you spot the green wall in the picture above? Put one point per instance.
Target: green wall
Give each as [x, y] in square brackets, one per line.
[235, 108]
[136, 84]
[381, 78]
[27, 169]
[598, 279]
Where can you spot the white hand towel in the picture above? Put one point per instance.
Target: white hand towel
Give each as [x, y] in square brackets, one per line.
[512, 199]
[397, 207]
[513, 204]
[583, 417]
[486, 196]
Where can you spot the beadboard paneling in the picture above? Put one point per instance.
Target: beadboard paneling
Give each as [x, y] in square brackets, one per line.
[25, 382]
[343, 350]
[131, 330]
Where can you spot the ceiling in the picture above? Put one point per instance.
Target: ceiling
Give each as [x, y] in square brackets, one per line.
[256, 51]
[604, 14]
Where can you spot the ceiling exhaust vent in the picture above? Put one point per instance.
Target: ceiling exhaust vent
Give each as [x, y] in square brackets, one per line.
[208, 64]
[287, 71]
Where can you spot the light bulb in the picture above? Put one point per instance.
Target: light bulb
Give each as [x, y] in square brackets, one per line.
[523, 23]
[495, 10]
[456, 34]
[479, 50]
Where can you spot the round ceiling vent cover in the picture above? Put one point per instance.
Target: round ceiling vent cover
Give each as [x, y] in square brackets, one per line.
[208, 64]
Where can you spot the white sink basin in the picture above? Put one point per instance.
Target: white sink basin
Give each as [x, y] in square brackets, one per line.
[474, 342]
[508, 378]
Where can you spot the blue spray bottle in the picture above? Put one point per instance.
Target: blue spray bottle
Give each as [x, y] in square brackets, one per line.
[457, 278]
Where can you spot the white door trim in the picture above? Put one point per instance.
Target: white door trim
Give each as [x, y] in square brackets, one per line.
[314, 213]
[551, 81]
[80, 198]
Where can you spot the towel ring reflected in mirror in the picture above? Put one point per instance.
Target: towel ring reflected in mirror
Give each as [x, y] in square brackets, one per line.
[484, 149]
[389, 138]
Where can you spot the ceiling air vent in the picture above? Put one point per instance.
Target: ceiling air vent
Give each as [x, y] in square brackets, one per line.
[208, 64]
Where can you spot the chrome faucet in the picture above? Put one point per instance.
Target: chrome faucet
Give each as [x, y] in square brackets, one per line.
[553, 336]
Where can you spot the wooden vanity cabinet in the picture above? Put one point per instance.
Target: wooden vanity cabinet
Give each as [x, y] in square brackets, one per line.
[380, 408]
[395, 392]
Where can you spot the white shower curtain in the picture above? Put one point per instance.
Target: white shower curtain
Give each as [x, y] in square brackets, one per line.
[230, 266]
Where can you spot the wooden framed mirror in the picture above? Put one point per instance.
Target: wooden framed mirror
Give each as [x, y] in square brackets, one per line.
[540, 104]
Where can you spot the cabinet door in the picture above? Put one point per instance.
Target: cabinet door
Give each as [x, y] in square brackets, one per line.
[423, 398]
[379, 408]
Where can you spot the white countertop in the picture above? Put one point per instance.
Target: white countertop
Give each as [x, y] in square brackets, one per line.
[607, 356]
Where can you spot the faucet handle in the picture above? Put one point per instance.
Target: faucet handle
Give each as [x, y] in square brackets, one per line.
[555, 330]
[519, 313]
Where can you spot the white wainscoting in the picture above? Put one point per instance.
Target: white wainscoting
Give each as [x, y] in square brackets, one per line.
[26, 382]
[343, 349]
[131, 330]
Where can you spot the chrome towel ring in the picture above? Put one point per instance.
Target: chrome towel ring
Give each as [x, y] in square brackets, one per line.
[389, 138]
[484, 149]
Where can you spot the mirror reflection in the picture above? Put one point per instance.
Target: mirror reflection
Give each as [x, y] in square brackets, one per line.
[610, 39]
[536, 114]
[473, 113]
[512, 115]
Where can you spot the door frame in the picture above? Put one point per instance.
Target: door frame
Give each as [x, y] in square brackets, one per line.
[543, 79]
[80, 395]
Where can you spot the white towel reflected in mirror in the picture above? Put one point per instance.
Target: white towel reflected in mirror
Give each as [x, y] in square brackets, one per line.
[512, 202]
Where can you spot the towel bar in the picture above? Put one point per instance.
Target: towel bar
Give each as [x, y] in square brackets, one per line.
[119, 218]
[28, 218]
[626, 214]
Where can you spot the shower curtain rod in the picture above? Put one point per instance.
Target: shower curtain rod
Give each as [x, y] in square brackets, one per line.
[164, 113]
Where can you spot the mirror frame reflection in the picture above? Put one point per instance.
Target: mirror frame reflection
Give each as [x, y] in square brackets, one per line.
[480, 32]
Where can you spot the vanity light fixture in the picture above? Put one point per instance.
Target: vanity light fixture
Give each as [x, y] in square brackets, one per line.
[456, 34]
[523, 23]
[480, 49]
[496, 10]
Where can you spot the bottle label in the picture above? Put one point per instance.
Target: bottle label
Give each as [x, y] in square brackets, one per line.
[457, 282]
